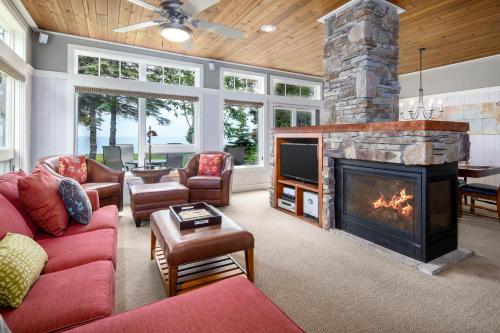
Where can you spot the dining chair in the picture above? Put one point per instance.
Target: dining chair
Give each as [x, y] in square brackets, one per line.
[483, 193]
[127, 156]
[112, 157]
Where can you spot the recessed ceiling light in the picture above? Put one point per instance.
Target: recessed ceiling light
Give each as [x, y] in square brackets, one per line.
[268, 28]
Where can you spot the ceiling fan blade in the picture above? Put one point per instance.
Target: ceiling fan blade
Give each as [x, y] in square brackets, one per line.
[193, 7]
[188, 45]
[145, 5]
[136, 26]
[219, 29]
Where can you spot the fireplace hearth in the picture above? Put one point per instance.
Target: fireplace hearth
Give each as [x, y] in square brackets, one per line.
[408, 209]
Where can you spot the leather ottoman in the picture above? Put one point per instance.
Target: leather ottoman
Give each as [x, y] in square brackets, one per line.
[146, 199]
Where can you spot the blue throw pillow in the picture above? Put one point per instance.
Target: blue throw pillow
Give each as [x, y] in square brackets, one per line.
[76, 200]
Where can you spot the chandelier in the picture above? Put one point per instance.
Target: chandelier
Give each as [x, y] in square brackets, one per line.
[427, 113]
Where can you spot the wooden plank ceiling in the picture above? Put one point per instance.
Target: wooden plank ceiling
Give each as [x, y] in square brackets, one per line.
[451, 30]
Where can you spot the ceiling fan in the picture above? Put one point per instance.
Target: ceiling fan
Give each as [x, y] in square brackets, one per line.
[177, 21]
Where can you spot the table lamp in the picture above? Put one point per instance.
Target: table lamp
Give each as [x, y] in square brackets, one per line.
[149, 134]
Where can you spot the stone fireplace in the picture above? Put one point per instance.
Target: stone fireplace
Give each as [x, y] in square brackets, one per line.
[391, 182]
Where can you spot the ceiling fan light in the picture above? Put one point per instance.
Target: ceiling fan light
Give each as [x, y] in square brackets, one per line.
[176, 33]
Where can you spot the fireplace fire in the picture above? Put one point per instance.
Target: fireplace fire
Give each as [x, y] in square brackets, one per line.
[409, 209]
[399, 207]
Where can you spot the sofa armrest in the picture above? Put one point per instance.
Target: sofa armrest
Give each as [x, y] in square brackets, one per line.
[99, 173]
[94, 199]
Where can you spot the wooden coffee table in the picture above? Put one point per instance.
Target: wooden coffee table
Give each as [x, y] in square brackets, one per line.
[191, 258]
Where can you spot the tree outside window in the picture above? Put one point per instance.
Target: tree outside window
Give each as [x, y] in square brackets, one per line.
[241, 133]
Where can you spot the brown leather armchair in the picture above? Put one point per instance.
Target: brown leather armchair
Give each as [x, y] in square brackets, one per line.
[107, 182]
[214, 190]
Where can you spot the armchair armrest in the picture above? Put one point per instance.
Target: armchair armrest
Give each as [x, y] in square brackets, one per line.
[94, 199]
[189, 171]
[99, 173]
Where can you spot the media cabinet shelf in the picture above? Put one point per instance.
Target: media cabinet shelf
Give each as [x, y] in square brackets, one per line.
[299, 184]
[281, 181]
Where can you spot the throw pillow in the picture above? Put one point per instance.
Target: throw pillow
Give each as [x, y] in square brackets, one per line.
[21, 261]
[73, 167]
[76, 200]
[210, 165]
[39, 194]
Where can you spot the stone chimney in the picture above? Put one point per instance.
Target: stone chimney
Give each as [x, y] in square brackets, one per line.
[361, 63]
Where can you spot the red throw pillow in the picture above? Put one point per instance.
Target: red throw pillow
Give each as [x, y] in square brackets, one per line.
[39, 194]
[210, 165]
[73, 167]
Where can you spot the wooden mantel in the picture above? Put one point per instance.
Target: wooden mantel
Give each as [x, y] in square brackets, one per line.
[416, 125]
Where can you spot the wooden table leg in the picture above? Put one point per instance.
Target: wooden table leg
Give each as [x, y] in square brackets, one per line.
[249, 264]
[172, 281]
[153, 244]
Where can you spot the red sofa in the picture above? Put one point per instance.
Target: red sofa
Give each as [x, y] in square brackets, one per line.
[76, 288]
[232, 305]
[77, 283]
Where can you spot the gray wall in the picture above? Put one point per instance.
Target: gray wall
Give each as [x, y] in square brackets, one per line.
[474, 74]
[54, 57]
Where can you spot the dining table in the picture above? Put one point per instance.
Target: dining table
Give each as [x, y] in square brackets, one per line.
[477, 171]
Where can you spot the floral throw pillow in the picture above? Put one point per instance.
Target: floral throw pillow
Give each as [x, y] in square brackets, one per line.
[76, 200]
[73, 167]
[210, 165]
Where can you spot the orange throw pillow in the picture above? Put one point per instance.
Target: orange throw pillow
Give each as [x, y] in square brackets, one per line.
[210, 165]
[39, 196]
[73, 167]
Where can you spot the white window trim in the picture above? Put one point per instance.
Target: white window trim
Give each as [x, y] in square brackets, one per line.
[223, 71]
[76, 50]
[286, 80]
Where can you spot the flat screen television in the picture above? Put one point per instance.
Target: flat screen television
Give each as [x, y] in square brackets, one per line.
[299, 161]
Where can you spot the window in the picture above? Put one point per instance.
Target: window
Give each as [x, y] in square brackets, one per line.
[170, 75]
[296, 89]
[289, 117]
[241, 133]
[106, 120]
[173, 120]
[243, 82]
[117, 66]
[282, 117]
[104, 67]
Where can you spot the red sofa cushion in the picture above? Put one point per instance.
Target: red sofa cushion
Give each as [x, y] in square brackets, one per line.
[73, 167]
[104, 218]
[232, 305]
[79, 249]
[64, 299]
[210, 165]
[8, 188]
[39, 194]
[11, 220]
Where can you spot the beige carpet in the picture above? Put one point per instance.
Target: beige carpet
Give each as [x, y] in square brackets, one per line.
[330, 284]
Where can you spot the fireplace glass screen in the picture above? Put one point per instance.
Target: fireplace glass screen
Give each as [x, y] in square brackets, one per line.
[382, 199]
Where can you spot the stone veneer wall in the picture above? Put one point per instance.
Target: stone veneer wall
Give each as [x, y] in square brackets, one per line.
[360, 59]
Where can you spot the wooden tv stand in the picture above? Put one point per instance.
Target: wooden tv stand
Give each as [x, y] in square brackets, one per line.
[300, 187]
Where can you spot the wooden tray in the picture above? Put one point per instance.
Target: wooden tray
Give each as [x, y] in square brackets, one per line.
[212, 216]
